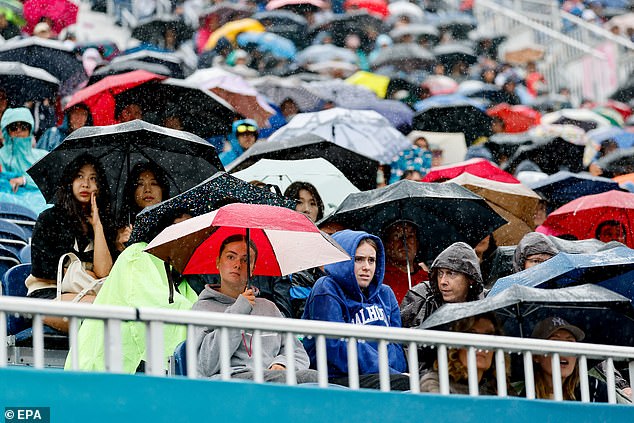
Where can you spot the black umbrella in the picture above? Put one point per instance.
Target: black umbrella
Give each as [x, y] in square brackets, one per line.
[444, 213]
[287, 24]
[153, 30]
[457, 24]
[201, 112]
[551, 154]
[563, 187]
[359, 169]
[358, 22]
[175, 63]
[55, 57]
[625, 93]
[417, 32]
[211, 194]
[605, 316]
[225, 12]
[24, 83]
[127, 66]
[503, 145]
[450, 54]
[186, 159]
[402, 55]
[619, 162]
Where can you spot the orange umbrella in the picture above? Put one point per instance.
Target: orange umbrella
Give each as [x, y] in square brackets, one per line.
[516, 118]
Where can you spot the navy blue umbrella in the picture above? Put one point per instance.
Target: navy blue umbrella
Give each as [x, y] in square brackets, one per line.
[612, 268]
[563, 187]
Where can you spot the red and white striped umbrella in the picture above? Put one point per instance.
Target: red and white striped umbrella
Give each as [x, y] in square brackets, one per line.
[286, 241]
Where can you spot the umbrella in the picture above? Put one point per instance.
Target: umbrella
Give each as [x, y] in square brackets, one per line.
[374, 7]
[403, 56]
[514, 202]
[214, 192]
[278, 89]
[625, 92]
[225, 12]
[480, 90]
[551, 154]
[583, 118]
[452, 113]
[623, 138]
[405, 8]
[24, 83]
[358, 168]
[607, 267]
[458, 24]
[450, 54]
[516, 118]
[563, 187]
[582, 216]
[185, 158]
[325, 52]
[268, 42]
[231, 29]
[62, 13]
[340, 92]
[153, 30]
[504, 145]
[440, 84]
[12, 10]
[426, 205]
[359, 22]
[162, 57]
[117, 68]
[373, 81]
[604, 316]
[331, 183]
[236, 91]
[298, 6]
[417, 32]
[53, 56]
[396, 112]
[285, 24]
[619, 162]
[477, 167]
[363, 131]
[287, 241]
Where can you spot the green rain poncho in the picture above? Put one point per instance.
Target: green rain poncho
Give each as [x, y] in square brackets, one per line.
[137, 279]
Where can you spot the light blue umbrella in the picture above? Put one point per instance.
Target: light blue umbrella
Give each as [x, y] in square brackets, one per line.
[267, 42]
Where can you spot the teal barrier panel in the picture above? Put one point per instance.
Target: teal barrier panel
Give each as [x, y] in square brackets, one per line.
[94, 398]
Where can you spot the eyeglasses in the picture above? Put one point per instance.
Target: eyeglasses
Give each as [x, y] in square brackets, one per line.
[18, 126]
[241, 129]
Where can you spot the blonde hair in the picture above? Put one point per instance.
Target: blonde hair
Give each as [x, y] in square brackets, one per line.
[567, 387]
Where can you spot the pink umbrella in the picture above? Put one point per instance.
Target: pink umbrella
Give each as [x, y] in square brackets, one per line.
[62, 13]
[440, 84]
[279, 4]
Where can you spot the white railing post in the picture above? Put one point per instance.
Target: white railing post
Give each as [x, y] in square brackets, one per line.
[322, 360]
[112, 345]
[583, 379]
[38, 341]
[384, 369]
[610, 380]
[256, 351]
[4, 356]
[73, 335]
[190, 353]
[443, 370]
[412, 364]
[500, 372]
[289, 352]
[154, 348]
[472, 372]
[225, 358]
[555, 362]
[353, 364]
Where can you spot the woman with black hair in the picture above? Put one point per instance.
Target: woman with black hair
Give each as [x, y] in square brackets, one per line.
[146, 186]
[80, 222]
[309, 201]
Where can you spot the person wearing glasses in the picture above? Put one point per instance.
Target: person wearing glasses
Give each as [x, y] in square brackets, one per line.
[16, 156]
[533, 249]
[244, 133]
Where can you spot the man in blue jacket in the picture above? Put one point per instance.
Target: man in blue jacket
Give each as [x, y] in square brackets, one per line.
[353, 292]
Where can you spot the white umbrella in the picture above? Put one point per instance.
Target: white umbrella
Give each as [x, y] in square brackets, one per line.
[278, 89]
[332, 185]
[363, 131]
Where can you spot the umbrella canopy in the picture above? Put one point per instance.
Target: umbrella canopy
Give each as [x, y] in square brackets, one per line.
[236, 91]
[268, 42]
[399, 114]
[417, 32]
[225, 12]
[278, 89]
[184, 157]
[61, 12]
[550, 153]
[325, 52]
[514, 202]
[209, 195]
[24, 83]
[358, 21]
[374, 7]
[623, 138]
[440, 84]
[403, 56]
[426, 205]
[450, 54]
[153, 30]
[117, 68]
[286, 241]
[405, 8]
[297, 6]
[331, 183]
[452, 113]
[373, 81]
[564, 186]
[608, 267]
[477, 167]
[231, 29]
[53, 56]
[458, 24]
[503, 145]
[363, 131]
[620, 162]
[358, 168]
[161, 57]
[583, 118]
[516, 118]
[285, 24]
[625, 92]
[582, 216]
[12, 10]
[604, 316]
[340, 92]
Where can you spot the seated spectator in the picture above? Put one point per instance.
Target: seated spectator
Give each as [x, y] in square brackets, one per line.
[79, 222]
[486, 324]
[533, 249]
[309, 201]
[232, 297]
[146, 185]
[244, 133]
[418, 157]
[129, 113]
[611, 230]
[75, 117]
[353, 292]
[454, 277]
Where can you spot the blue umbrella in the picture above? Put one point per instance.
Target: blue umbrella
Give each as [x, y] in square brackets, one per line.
[398, 113]
[563, 187]
[622, 137]
[448, 100]
[612, 268]
[267, 42]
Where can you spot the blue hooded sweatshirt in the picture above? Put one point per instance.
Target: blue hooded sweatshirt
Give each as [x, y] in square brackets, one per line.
[337, 297]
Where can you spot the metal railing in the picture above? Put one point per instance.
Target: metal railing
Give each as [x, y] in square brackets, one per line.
[154, 320]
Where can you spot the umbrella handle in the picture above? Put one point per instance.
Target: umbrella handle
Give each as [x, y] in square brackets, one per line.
[170, 280]
[247, 240]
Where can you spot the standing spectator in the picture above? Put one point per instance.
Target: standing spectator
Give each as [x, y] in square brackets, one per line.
[353, 292]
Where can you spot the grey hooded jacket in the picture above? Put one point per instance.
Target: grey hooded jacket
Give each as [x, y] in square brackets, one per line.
[208, 342]
[532, 243]
[425, 298]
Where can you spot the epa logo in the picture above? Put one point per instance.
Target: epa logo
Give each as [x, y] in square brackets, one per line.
[27, 414]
